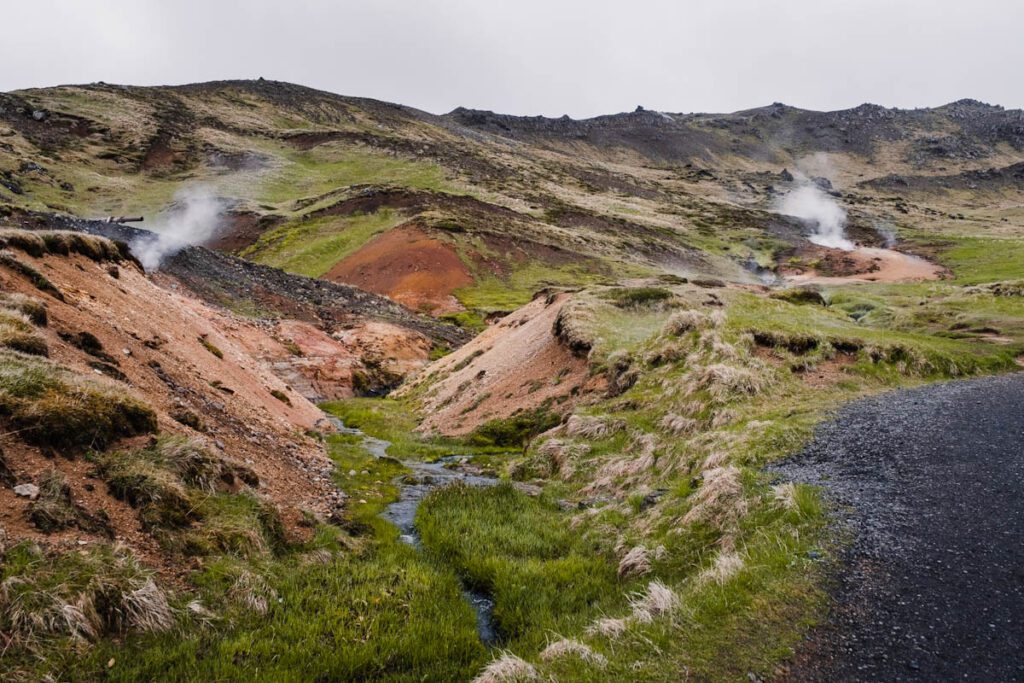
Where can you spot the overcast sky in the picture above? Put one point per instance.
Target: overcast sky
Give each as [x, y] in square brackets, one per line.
[552, 57]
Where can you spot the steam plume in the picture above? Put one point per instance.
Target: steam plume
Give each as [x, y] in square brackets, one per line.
[195, 217]
[808, 202]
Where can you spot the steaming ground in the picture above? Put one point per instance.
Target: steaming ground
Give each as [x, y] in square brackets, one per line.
[195, 217]
[933, 484]
[809, 202]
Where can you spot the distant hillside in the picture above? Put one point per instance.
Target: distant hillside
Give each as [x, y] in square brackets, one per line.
[494, 207]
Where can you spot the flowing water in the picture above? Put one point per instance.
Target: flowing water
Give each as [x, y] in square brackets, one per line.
[413, 488]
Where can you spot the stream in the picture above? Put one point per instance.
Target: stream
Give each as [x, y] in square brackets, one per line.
[413, 487]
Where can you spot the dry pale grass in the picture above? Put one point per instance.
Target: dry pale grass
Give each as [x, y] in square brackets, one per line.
[507, 668]
[715, 459]
[560, 456]
[147, 609]
[253, 592]
[657, 600]
[572, 648]
[719, 500]
[31, 307]
[615, 474]
[679, 424]
[724, 382]
[723, 418]
[681, 322]
[608, 627]
[590, 427]
[82, 596]
[785, 495]
[726, 565]
[636, 562]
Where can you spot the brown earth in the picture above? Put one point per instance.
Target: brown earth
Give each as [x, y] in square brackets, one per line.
[409, 266]
[325, 367]
[241, 229]
[516, 364]
[863, 264]
[154, 336]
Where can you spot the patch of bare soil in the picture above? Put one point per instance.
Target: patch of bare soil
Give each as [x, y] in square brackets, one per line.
[829, 372]
[863, 264]
[243, 228]
[409, 266]
[516, 364]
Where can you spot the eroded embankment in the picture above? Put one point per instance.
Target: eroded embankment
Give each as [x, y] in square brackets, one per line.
[931, 483]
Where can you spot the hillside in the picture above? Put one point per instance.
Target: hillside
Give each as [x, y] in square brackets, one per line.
[604, 328]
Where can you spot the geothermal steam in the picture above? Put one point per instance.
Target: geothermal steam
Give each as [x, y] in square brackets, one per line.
[194, 217]
[811, 204]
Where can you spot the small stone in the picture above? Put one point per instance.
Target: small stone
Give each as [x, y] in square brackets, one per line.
[30, 491]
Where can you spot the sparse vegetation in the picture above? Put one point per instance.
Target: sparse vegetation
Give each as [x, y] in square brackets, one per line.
[638, 296]
[211, 347]
[50, 406]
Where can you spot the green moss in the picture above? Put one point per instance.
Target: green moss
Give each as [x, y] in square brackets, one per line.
[638, 296]
[280, 396]
[515, 431]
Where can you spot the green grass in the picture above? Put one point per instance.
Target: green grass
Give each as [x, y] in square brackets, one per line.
[491, 293]
[312, 247]
[394, 421]
[519, 550]
[975, 260]
[331, 166]
[368, 481]
[383, 614]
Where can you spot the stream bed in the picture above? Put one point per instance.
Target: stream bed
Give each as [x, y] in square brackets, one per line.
[413, 487]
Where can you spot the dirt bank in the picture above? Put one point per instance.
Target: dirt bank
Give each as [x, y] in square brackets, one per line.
[190, 363]
[516, 364]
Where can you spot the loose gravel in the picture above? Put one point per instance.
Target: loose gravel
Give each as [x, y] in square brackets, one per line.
[931, 483]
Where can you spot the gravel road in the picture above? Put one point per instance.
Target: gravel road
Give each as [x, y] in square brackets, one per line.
[931, 482]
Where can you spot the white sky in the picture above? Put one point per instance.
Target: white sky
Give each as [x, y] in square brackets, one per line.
[553, 57]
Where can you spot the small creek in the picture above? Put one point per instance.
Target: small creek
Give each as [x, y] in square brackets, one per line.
[413, 488]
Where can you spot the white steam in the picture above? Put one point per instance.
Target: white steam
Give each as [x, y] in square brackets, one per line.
[195, 217]
[811, 204]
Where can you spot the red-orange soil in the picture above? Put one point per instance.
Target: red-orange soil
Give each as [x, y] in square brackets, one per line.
[409, 266]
